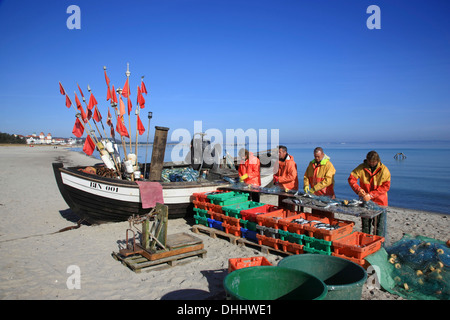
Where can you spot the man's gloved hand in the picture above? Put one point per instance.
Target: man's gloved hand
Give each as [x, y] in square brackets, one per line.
[306, 189]
[312, 190]
[275, 179]
[367, 197]
[243, 177]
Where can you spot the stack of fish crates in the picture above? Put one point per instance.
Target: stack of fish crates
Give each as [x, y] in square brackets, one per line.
[289, 231]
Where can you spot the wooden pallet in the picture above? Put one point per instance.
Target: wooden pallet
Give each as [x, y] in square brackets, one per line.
[138, 262]
[179, 247]
[214, 233]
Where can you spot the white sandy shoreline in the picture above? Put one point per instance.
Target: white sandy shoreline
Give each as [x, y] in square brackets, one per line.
[34, 259]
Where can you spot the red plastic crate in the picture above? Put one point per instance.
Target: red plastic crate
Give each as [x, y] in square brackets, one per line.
[345, 228]
[287, 246]
[286, 224]
[231, 221]
[216, 216]
[201, 204]
[215, 208]
[240, 263]
[251, 214]
[236, 231]
[362, 262]
[358, 245]
[202, 196]
[268, 241]
[271, 219]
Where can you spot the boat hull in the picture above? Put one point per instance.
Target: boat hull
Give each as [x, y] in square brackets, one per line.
[99, 200]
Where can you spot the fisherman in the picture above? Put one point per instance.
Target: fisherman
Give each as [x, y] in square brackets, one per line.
[319, 175]
[286, 177]
[374, 183]
[249, 168]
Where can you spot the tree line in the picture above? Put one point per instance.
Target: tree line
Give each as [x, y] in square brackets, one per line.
[10, 138]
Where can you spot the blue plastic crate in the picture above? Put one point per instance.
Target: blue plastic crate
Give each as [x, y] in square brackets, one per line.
[248, 234]
[215, 224]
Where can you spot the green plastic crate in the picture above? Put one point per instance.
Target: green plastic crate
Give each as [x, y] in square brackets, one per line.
[291, 237]
[235, 209]
[202, 213]
[228, 198]
[250, 225]
[201, 220]
[317, 244]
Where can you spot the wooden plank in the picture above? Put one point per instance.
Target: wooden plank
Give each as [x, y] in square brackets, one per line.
[164, 254]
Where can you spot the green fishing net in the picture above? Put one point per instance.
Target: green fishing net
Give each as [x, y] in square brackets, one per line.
[414, 268]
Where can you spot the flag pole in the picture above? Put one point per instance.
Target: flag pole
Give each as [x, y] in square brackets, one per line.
[78, 115]
[128, 73]
[119, 91]
[87, 109]
[91, 129]
[114, 106]
[150, 114]
[101, 121]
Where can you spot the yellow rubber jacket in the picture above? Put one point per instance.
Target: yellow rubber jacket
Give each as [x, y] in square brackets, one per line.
[376, 183]
[320, 176]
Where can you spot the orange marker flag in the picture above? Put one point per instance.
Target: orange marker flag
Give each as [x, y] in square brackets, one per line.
[97, 116]
[121, 129]
[126, 90]
[92, 102]
[140, 126]
[89, 146]
[68, 102]
[122, 107]
[78, 129]
[61, 89]
[143, 88]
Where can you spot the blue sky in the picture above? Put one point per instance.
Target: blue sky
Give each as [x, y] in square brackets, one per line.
[311, 69]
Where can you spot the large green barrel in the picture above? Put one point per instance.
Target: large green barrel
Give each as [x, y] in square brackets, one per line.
[272, 283]
[344, 279]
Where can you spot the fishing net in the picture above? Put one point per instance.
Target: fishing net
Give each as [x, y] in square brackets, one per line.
[415, 268]
[179, 174]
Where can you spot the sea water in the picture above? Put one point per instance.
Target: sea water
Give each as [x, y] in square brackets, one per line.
[420, 182]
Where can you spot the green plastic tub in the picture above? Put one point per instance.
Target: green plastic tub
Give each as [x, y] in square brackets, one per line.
[273, 283]
[344, 279]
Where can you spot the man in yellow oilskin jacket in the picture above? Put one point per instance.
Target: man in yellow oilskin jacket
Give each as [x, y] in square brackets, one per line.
[319, 175]
[374, 183]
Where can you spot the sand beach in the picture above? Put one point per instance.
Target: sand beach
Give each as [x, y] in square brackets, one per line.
[36, 259]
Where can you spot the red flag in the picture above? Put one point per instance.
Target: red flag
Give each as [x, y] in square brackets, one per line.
[113, 95]
[92, 102]
[108, 94]
[126, 90]
[130, 107]
[61, 89]
[108, 120]
[107, 79]
[89, 114]
[113, 135]
[97, 116]
[89, 146]
[77, 101]
[140, 126]
[78, 129]
[83, 114]
[68, 102]
[140, 99]
[121, 129]
[122, 107]
[143, 88]
[80, 90]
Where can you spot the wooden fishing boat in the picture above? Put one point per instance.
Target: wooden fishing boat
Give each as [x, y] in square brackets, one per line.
[98, 199]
